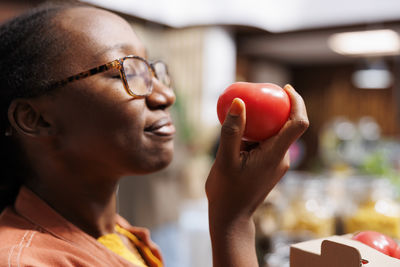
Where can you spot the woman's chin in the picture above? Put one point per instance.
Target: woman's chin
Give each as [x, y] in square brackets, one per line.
[160, 165]
[155, 164]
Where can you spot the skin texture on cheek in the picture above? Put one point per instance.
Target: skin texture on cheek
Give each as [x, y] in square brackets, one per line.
[103, 132]
[103, 127]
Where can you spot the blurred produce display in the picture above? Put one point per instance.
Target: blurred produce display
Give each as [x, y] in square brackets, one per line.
[375, 208]
[357, 190]
[309, 210]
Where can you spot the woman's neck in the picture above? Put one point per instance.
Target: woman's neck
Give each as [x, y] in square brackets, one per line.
[90, 207]
[82, 191]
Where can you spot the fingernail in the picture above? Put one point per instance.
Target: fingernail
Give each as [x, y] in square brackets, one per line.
[288, 86]
[236, 107]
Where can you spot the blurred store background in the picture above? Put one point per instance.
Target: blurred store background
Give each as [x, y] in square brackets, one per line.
[343, 58]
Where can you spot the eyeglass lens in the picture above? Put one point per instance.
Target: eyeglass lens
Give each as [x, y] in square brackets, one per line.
[139, 76]
[162, 73]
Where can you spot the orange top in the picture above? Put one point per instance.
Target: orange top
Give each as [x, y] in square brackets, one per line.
[32, 233]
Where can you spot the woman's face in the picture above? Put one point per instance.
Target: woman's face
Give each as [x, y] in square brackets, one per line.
[99, 126]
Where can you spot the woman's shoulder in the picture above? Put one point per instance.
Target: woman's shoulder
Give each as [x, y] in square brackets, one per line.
[20, 247]
[22, 243]
[25, 254]
[13, 226]
[36, 247]
[25, 243]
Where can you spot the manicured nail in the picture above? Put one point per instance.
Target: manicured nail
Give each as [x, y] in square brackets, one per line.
[236, 107]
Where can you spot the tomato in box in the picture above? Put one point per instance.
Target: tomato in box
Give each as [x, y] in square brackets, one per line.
[267, 108]
[379, 242]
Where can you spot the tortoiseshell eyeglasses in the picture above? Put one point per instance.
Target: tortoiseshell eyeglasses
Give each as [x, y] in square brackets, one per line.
[135, 72]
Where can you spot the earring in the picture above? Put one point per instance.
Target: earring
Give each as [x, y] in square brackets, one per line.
[8, 132]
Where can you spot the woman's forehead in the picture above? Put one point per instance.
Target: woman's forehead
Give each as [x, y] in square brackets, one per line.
[96, 35]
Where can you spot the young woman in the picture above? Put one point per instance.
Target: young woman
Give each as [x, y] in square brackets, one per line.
[81, 107]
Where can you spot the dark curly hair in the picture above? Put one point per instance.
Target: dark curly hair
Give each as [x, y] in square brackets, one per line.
[29, 44]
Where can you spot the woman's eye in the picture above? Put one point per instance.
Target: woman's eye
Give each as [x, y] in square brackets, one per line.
[130, 72]
[115, 76]
[131, 75]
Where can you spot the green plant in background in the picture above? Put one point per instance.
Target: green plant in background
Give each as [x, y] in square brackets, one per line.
[379, 165]
[184, 127]
[376, 164]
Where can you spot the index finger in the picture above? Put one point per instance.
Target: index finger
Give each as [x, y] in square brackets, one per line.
[297, 123]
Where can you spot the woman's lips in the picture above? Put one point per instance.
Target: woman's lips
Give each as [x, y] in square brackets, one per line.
[162, 127]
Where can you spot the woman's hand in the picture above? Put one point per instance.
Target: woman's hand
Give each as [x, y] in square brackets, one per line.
[240, 179]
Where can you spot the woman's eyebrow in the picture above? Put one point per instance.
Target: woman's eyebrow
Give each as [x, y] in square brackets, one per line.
[118, 47]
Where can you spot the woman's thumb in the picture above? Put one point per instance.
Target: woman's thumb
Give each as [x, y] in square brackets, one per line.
[232, 131]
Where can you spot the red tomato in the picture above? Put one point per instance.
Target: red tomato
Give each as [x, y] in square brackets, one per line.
[267, 108]
[379, 242]
[396, 252]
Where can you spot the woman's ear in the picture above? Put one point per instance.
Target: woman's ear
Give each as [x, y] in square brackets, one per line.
[27, 119]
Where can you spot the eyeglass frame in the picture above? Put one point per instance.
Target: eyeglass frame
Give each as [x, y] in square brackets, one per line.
[115, 64]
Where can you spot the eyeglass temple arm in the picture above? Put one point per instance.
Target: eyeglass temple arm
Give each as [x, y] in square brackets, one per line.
[111, 65]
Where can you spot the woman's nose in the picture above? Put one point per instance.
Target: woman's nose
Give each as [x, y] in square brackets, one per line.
[162, 96]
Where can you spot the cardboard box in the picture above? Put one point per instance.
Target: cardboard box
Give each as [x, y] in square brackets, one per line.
[338, 251]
